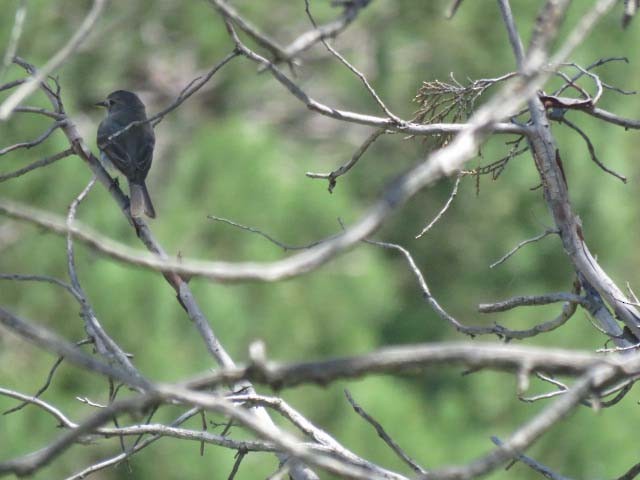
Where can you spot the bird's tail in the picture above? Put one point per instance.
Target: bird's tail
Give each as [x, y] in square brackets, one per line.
[140, 201]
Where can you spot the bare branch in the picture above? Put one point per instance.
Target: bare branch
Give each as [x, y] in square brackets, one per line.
[34, 142]
[302, 42]
[502, 332]
[444, 209]
[230, 13]
[522, 437]
[327, 31]
[592, 151]
[349, 165]
[550, 18]
[38, 278]
[561, 389]
[37, 164]
[51, 342]
[549, 166]
[618, 349]
[514, 38]
[283, 441]
[193, 86]
[105, 345]
[284, 246]
[40, 391]
[384, 435]
[633, 472]
[413, 358]
[440, 163]
[533, 464]
[600, 376]
[613, 118]
[34, 400]
[134, 449]
[184, 294]
[520, 245]
[28, 464]
[14, 37]
[568, 309]
[40, 111]
[582, 29]
[353, 69]
[532, 300]
[599, 372]
[236, 465]
[30, 86]
[379, 122]
[453, 8]
[12, 84]
[630, 10]
[281, 473]
[320, 436]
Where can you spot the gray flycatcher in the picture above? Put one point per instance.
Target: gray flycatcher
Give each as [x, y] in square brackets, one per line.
[131, 151]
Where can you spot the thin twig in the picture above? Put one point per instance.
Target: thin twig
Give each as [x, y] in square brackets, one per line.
[58, 59]
[34, 142]
[453, 8]
[34, 400]
[12, 84]
[522, 244]
[187, 92]
[592, 151]
[533, 464]
[40, 111]
[332, 176]
[40, 391]
[39, 278]
[354, 70]
[228, 12]
[203, 419]
[303, 42]
[499, 330]
[236, 465]
[329, 30]
[37, 164]
[284, 246]
[444, 209]
[385, 436]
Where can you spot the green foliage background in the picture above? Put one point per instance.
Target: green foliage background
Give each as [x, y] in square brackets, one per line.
[240, 149]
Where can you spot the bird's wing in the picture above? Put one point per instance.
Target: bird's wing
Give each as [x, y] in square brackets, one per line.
[113, 149]
[118, 156]
[144, 153]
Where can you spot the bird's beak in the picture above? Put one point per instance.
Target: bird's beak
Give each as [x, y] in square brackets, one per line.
[102, 104]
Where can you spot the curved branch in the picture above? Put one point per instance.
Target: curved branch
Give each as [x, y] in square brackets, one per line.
[58, 59]
[37, 164]
[34, 142]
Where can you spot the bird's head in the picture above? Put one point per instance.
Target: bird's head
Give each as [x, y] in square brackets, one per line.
[122, 100]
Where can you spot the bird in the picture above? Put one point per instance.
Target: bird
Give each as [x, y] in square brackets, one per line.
[130, 151]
